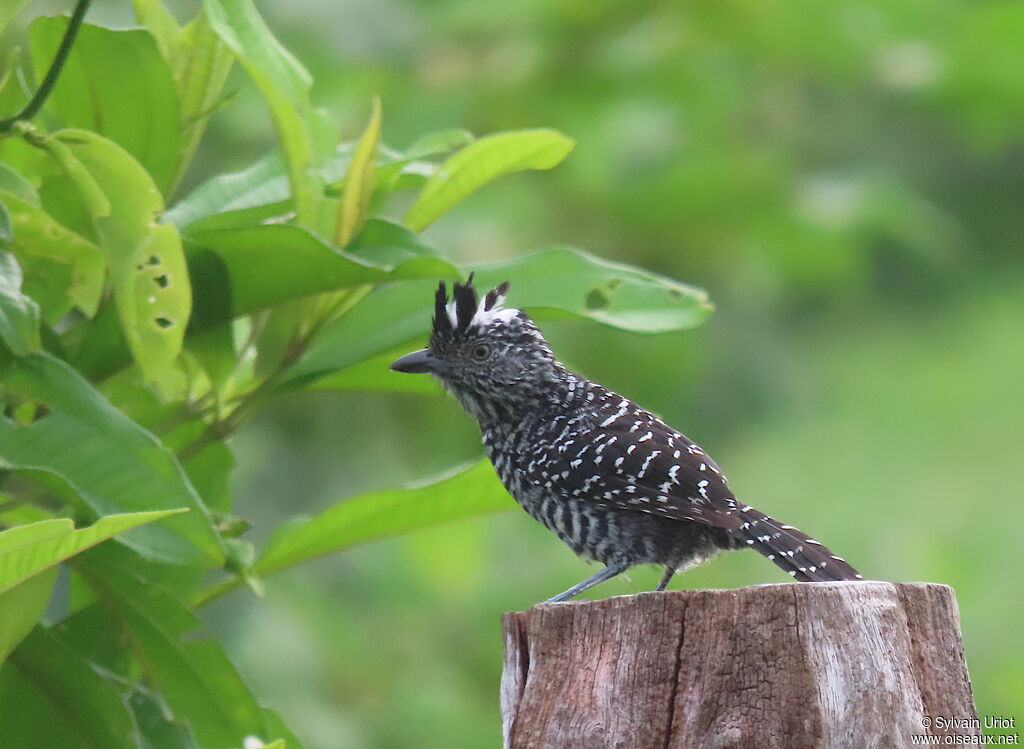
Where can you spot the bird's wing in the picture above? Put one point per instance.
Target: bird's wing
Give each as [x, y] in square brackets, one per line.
[636, 462]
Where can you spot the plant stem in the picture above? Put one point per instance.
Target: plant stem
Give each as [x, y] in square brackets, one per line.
[10, 504]
[332, 307]
[46, 87]
[217, 591]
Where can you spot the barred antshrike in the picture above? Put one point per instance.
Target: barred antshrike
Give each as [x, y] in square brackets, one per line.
[614, 481]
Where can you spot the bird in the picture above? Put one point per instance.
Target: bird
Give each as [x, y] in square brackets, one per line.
[612, 480]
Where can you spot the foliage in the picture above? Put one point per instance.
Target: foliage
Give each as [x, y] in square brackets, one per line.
[844, 176]
[140, 329]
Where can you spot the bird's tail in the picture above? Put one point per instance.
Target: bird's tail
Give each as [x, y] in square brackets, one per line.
[794, 551]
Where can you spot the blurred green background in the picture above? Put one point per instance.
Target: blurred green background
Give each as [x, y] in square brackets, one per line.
[844, 178]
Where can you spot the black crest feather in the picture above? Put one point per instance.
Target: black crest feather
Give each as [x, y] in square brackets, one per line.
[465, 302]
[442, 325]
[465, 297]
[492, 296]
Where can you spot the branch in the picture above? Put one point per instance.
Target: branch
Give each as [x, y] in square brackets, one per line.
[46, 87]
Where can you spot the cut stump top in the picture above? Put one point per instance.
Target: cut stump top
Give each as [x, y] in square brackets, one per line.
[850, 664]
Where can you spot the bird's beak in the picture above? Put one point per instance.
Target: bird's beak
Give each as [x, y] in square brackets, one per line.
[416, 362]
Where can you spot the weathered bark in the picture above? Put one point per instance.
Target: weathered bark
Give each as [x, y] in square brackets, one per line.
[799, 665]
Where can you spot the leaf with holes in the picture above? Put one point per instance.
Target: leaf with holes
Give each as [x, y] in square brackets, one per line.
[550, 282]
[147, 264]
[615, 294]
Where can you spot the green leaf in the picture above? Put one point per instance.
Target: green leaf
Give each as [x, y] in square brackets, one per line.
[153, 14]
[201, 65]
[8, 10]
[210, 338]
[272, 263]
[51, 697]
[116, 83]
[13, 97]
[200, 62]
[372, 375]
[442, 141]
[247, 197]
[19, 315]
[192, 672]
[21, 607]
[239, 24]
[40, 237]
[48, 285]
[559, 281]
[158, 729]
[98, 350]
[147, 264]
[481, 162]
[17, 184]
[210, 473]
[27, 550]
[87, 630]
[282, 81]
[390, 245]
[276, 727]
[619, 295]
[466, 493]
[5, 224]
[360, 181]
[89, 190]
[397, 171]
[21, 514]
[386, 318]
[261, 191]
[107, 459]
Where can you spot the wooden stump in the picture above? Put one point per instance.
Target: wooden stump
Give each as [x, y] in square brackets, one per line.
[863, 664]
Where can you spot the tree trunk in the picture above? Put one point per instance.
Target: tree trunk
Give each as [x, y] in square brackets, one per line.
[866, 664]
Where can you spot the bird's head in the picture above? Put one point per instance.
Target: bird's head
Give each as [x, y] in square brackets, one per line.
[492, 358]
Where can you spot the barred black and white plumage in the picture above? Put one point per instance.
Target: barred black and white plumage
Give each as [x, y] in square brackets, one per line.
[611, 479]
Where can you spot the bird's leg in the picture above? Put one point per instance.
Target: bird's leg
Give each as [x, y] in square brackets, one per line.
[669, 571]
[598, 577]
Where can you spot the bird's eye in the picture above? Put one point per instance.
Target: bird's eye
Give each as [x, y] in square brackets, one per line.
[481, 352]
